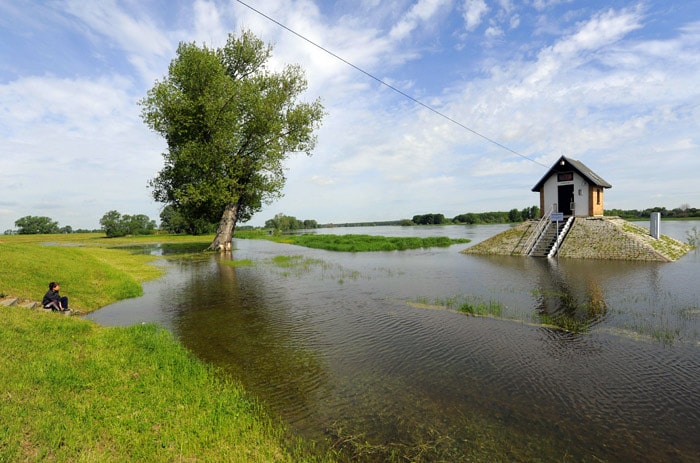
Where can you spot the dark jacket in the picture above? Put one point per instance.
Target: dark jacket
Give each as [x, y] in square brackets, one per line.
[50, 297]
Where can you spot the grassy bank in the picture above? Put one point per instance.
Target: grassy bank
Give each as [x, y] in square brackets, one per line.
[73, 391]
[93, 271]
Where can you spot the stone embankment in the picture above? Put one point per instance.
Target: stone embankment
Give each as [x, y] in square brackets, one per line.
[592, 238]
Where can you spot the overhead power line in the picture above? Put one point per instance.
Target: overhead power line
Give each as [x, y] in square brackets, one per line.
[386, 84]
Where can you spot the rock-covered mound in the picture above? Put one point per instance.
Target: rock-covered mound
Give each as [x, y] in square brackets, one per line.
[591, 238]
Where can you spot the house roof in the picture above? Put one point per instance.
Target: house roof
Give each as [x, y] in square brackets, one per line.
[565, 164]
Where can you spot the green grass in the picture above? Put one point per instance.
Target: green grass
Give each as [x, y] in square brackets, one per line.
[366, 243]
[90, 277]
[93, 271]
[482, 308]
[73, 391]
[666, 245]
[467, 304]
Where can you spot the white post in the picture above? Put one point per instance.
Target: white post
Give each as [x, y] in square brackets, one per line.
[655, 225]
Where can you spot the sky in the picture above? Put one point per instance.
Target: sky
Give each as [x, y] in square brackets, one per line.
[493, 92]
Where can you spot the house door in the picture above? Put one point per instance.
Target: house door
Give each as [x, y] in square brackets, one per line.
[566, 197]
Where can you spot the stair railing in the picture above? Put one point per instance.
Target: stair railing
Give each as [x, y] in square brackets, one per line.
[539, 229]
[560, 237]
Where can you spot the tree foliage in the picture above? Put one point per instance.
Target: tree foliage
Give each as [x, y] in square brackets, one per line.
[114, 224]
[682, 212]
[176, 223]
[512, 216]
[429, 219]
[32, 225]
[283, 222]
[229, 123]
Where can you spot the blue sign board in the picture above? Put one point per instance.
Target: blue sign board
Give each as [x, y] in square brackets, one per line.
[557, 216]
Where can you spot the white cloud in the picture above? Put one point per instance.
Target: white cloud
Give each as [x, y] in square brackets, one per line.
[474, 12]
[514, 21]
[137, 35]
[493, 33]
[603, 29]
[544, 4]
[421, 13]
[602, 89]
[74, 149]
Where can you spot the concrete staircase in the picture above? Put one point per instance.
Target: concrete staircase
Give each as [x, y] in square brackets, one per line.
[10, 301]
[547, 244]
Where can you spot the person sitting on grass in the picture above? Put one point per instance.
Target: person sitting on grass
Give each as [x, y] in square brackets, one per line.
[52, 300]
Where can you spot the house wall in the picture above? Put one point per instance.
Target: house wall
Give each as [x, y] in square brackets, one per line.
[542, 209]
[582, 195]
[595, 201]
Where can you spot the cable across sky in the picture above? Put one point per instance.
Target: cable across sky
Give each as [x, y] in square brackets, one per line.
[386, 84]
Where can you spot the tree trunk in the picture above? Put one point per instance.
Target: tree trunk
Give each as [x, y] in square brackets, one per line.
[224, 233]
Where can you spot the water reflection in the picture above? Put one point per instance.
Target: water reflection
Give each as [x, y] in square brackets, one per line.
[238, 325]
[559, 302]
[330, 342]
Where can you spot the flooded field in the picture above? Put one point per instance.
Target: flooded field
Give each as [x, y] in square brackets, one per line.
[372, 353]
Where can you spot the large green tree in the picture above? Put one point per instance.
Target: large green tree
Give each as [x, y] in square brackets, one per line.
[229, 123]
[114, 224]
[31, 225]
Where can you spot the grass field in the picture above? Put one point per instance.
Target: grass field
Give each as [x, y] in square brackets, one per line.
[93, 271]
[73, 391]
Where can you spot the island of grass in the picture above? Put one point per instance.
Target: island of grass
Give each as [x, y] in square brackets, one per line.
[357, 243]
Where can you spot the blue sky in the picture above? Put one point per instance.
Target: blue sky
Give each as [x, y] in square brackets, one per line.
[614, 84]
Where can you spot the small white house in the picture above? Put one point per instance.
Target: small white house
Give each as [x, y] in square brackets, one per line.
[572, 188]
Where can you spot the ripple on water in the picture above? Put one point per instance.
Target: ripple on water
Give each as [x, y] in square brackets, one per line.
[337, 346]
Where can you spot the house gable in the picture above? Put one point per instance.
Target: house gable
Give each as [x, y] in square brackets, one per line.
[571, 187]
[564, 165]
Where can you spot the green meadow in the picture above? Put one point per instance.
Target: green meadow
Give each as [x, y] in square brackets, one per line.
[73, 391]
[93, 271]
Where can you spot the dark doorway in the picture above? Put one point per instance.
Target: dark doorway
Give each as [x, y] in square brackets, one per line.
[566, 197]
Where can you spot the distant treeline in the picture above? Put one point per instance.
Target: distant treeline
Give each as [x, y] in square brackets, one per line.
[514, 215]
[682, 212]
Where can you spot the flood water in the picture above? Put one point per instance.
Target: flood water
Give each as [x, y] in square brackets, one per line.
[367, 352]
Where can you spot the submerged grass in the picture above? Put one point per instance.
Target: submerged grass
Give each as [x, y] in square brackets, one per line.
[296, 266]
[239, 263]
[483, 308]
[468, 304]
